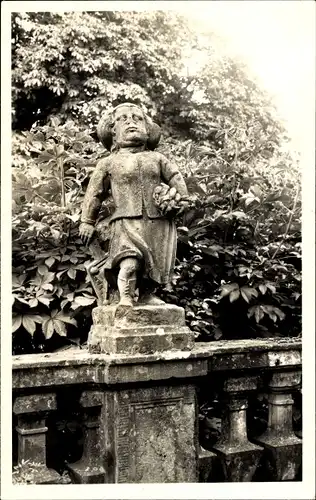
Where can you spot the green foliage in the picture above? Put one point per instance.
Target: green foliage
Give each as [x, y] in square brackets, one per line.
[49, 278]
[85, 61]
[238, 264]
[239, 250]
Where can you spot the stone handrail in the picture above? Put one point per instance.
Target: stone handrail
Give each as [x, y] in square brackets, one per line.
[141, 408]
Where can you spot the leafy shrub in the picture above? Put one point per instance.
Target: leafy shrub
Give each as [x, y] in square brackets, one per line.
[50, 291]
[239, 250]
[87, 60]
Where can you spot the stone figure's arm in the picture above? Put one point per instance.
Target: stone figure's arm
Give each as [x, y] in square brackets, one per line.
[96, 192]
[172, 176]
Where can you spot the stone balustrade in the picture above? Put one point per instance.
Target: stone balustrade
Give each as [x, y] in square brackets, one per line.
[139, 413]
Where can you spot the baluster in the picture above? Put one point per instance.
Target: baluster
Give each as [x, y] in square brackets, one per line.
[32, 411]
[206, 465]
[283, 449]
[238, 456]
[89, 469]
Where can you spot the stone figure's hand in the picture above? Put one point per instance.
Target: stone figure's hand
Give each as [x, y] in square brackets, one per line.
[86, 232]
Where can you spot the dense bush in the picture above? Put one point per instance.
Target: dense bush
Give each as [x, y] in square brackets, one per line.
[238, 267]
[79, 63]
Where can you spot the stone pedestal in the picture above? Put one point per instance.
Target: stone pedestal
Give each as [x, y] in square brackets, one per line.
[238, 456]
[89, 469]
[151, 435]
[207, 460]
[139, 330]
[32, 411]
[283, 449]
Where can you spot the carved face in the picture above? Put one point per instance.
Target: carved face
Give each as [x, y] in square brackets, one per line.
[129, 126]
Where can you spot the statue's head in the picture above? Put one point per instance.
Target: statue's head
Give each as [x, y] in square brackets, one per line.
[127, 125]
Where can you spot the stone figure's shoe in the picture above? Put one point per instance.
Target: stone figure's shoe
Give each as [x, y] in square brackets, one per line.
[127, 292]
[126, 301]
[150, 300]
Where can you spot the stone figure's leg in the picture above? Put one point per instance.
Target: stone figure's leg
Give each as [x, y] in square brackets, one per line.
[146, 294]
[126, 281]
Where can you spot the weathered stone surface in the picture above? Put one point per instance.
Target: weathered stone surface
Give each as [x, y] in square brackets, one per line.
[282, 456]
[139, 342]
[34, 403]
[89, 469]
[239, 457]
[148, 191]
[139, 330]
[206, 465]
[91, 399]
[240, 384]
[285, 380]
[160, 370]
[151, 435]
[239, 463]
[132, 413]
[283, 449]
[252, 360]
[78, 366]
[32, 411]
[138, 316]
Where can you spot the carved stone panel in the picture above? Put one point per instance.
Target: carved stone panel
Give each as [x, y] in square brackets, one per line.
[155, 438]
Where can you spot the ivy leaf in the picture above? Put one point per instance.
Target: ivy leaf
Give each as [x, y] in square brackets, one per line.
[29, 324]
[63, 303]
[248, 292]
[66, 319]
[46, 301]
[72, 273]
[279, 313]
[37, 318]
[33, 302]
[50, 261]
[21, 299]
[48, 286]
[49, 277]
[59, 150]
[48, 328]
[271, 287]
[60, 327]
[210, 251]
[227, 289]
[258, 314]
[273, 312]
[263, 288]
[234, 295]
[42, 270]
[16, 323]
[45, 157]
[82, 301]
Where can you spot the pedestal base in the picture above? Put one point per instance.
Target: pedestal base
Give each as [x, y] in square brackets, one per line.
[83, 474]
[283, 456]
[239, 462]
[206, 462]
[139, 330]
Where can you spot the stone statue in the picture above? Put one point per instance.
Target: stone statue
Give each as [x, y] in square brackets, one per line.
[148, 191]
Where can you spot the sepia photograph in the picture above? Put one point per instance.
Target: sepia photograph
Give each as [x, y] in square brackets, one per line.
[157, 197]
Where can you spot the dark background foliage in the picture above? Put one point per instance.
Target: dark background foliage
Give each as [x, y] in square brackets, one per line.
[238, 271]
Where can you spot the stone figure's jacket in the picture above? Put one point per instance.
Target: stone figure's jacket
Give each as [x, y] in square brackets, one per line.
[132, 177]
